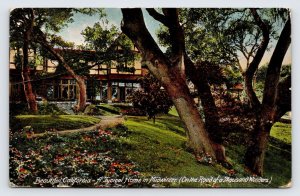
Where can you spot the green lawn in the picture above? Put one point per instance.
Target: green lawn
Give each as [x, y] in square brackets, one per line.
[159, 149]
[282, 131]
[173, 111]
[108, 109]
[40, 123]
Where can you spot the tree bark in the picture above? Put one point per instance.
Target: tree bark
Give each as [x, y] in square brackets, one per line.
[178, 56]
[212, 125]
[284, 96]
[170, 77]
[82, 93]
[25, 73]
[255, 155]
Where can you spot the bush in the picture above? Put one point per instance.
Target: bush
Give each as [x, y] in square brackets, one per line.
[50, 109]
[92, 110]
[43, 109]
[151, 98]
[119, 130]
[133, 112]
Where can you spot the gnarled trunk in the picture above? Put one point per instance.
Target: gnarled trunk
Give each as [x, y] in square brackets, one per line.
[26, 81]
[212, 125]
[189, 114]
[255, 154]
[171, 77]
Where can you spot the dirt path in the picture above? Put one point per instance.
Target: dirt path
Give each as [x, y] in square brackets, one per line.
[106, 122]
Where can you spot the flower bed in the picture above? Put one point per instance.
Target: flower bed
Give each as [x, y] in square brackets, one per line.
[89, 159]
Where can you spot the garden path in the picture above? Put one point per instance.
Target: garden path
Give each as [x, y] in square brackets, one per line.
[106, 122]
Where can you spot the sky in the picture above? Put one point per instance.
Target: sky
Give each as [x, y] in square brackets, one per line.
[73, 31]
[114, 16]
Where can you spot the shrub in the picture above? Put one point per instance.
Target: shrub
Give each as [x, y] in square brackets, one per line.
[151, 98]
[92, 110]
[49, 109]
[133, 112]
[43, 109]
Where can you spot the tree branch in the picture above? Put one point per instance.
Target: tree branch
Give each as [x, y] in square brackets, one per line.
[273, 71]
[257, 59]
[283, 100]
[177, 38]
[157, 16]
[171, 20]
[135, 29]
[43, 41]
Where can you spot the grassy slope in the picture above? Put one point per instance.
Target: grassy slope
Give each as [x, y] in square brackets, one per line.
[282, 131]
[173, 111]
[109, 110]
[278, 156]
[39, 123]
[159, 150]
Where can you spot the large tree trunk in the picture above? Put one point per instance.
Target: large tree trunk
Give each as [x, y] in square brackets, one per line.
[255, 154]
[178, 56]
[212, 124]
[189, 114]
[171, 77]
[29, 95]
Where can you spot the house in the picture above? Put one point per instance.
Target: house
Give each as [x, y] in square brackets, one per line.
[106, 82]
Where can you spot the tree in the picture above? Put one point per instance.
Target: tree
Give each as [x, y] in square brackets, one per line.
[241, 30]
[21, 26]
[54, 20]
[151, 98]
[170, 71]
[102, 38]
[32, 20]
[245, 31]
[251, 34]
[272, 106]
[44, 24]
[206, 56]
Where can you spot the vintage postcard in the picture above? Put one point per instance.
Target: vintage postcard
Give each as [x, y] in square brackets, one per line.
[150, 97]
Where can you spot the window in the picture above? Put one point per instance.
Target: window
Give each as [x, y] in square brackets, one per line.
[136, 85]
[64, 89]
